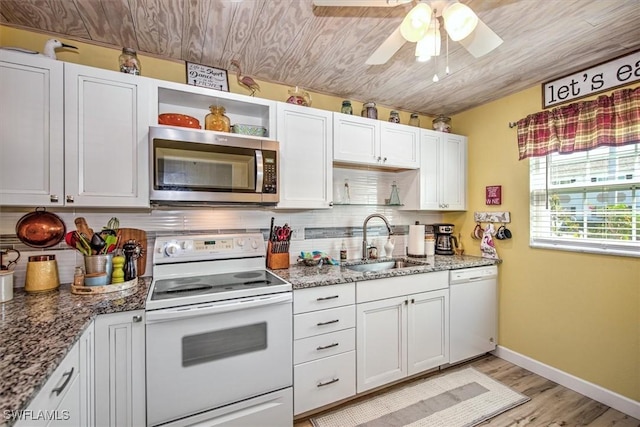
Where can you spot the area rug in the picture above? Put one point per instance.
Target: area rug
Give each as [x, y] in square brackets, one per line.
[458, 399]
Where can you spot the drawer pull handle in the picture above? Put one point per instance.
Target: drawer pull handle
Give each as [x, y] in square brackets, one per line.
[326, 298]
[329, 322]
[58, 390]
[335, 380]
[335, 344]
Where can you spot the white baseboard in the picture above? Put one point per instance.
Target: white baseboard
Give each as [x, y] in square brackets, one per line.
[593, 391]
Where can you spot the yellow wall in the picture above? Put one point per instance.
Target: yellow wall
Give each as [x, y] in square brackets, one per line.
[579, 313]
[107, 58]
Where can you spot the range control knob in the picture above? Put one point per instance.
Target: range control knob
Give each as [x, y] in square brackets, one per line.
[240, 242]
[171, 249]
[254, 244]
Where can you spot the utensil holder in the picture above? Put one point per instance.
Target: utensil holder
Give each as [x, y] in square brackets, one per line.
[276, 261]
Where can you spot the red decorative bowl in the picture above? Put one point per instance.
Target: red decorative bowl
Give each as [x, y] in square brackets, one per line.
[174, 119]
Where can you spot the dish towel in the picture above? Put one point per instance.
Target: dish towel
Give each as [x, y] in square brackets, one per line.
[487, 246]
[326, 259]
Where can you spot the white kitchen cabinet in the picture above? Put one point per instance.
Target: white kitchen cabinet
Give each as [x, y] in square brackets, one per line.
[120, 369]
[324, 346]
[443, 173]
[106, 138]
[31, 130]
[87, 377]
[402, 327]
[363, 141]
[306, 155]
[72, 135]
[58, 402]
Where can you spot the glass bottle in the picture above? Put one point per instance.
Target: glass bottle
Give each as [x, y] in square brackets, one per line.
[346, 107]
[442, 123]
[216, 120]
[129, 62]
[394, 199]
[346, 197]
[369, 110]
[414, 120]
[394, 117]
[343, 252]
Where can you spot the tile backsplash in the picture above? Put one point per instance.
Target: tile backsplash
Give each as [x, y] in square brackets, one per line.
[322, 229]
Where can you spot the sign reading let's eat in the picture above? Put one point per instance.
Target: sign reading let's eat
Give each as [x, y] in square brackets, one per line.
[617, 72]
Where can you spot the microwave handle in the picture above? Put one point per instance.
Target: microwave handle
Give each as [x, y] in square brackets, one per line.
[259, 171]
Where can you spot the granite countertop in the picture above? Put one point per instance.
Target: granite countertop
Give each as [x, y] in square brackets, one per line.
[301, 276]
[37, 330]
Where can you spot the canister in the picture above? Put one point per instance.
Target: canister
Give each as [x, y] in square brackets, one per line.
[6, 285]
[42, 274]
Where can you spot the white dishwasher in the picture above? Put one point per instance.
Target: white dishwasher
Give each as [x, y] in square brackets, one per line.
[473, 313]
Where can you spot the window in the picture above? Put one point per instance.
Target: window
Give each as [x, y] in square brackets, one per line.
[587, 201]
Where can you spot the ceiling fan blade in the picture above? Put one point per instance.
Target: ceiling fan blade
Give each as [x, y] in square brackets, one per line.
[387, 49]
[481, 41]
[360, 3]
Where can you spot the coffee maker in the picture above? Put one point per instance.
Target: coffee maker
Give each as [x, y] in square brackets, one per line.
[446, 242]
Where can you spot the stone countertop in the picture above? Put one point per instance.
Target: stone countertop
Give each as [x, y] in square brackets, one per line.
[301, 276]
[37, 330]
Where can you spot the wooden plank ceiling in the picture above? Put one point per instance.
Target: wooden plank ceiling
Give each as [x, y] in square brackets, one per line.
[324, 49]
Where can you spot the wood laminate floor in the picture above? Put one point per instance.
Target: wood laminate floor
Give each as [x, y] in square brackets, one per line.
[551, 404]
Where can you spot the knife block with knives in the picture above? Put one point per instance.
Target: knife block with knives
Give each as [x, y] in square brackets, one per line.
[278, 247]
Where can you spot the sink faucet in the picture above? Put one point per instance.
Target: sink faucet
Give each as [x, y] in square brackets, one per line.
[365, 251]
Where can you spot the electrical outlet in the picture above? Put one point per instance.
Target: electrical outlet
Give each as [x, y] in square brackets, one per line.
[297, 233]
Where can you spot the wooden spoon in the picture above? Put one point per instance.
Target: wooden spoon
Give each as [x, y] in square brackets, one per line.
[82, 227]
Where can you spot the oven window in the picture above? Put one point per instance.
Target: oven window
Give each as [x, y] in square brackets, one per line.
[203, 167]
[210, 346]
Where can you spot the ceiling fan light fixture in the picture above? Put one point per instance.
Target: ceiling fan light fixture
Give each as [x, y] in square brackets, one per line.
[415, 25]
[459, 21]
[430, 44]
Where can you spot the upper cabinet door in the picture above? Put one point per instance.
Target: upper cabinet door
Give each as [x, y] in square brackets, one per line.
[399, 145]
[356, 139]
[453, 182]
[306, 153]
[106, 133]
[31, 130]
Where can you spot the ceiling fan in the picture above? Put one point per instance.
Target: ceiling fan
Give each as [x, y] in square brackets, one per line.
[422, 26]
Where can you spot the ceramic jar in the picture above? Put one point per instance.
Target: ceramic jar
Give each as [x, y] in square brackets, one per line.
[442, 124]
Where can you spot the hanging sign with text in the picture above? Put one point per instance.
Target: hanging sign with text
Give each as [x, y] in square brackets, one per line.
[617, 72]
[493, 195]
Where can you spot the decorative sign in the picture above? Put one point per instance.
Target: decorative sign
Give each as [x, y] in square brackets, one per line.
[205, 76]
[617, 72]
[493, 195]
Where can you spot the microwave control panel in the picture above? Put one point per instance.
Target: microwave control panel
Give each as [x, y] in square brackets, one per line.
[270, 167]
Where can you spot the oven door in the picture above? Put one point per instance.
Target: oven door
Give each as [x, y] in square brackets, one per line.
[204, 356]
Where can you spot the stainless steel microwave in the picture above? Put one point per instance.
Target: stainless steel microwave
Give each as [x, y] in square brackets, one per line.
[194, 166]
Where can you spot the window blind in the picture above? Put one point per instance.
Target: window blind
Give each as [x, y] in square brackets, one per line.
[587, 201]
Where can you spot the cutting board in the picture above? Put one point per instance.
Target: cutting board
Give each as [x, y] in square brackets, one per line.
[140, 236]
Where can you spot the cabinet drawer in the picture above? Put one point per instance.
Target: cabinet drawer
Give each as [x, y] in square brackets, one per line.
[59, 384]
[323, 381]
[308, 349]
[322, 297]
[322, 322]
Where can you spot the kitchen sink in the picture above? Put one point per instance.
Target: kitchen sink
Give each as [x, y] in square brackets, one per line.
[383, 265]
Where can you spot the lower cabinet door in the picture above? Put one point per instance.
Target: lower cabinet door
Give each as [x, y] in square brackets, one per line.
[323, 381]
[68, 413]
[428, 330]
[381, 337]
[119, 369]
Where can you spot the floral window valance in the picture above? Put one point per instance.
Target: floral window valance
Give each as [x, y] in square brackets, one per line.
[610, 120]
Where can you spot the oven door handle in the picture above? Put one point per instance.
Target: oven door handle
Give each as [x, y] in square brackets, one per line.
[205, 309]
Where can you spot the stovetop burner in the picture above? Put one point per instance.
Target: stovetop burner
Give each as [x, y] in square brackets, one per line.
[194, 269]
[213, 284]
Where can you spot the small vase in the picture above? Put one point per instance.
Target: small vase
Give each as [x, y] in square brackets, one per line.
[388, 248]
[216, 120]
